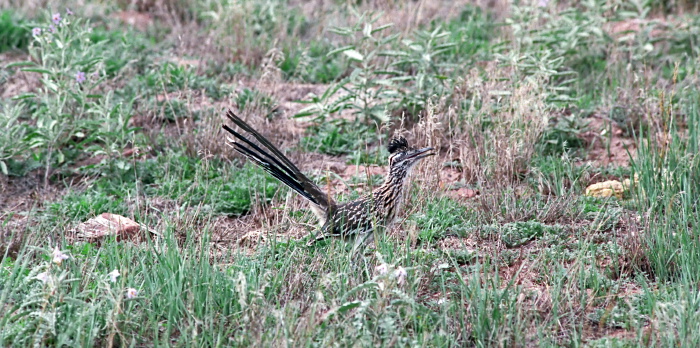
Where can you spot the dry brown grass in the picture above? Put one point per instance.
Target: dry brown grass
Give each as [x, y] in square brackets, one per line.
[517, 117]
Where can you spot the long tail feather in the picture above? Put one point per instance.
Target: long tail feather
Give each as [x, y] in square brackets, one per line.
[270, 159]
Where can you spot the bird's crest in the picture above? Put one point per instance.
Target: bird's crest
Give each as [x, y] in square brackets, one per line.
[398, 144]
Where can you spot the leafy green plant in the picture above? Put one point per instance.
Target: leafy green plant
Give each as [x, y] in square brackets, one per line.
[471, 32]
[253, 98]
[423, 56]
[440, 218]
[12, 135]
[515, 234]
[70, 113]
[548, 46]
[369, 90]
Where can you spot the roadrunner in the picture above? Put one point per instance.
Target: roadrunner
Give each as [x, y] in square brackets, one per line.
[354, 220]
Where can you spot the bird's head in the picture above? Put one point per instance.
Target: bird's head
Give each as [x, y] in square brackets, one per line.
[402, 157]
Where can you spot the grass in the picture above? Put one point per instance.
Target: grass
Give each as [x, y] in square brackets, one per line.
[15, 34]
[527, 103]
[208, 185]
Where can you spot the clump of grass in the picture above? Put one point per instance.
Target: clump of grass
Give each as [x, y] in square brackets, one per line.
[15, 34]
[256, 100]
[211, 186]
[337, 139]
[311, 64]
[499, 134]
[440, 217]
[667, 171]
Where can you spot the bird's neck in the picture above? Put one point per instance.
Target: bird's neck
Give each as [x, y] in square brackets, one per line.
[389, 197]
[392, 188]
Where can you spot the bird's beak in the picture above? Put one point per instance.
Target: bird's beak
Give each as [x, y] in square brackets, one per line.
[422, 153]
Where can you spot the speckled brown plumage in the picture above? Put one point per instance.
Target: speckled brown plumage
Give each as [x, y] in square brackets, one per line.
[348, 220]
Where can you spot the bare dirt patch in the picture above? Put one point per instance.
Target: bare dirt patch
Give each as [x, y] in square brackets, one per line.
[19, 198]
[138, 20]
[19, 82]
[607, 143]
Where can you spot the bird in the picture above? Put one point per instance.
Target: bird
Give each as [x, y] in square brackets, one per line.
[355, 220]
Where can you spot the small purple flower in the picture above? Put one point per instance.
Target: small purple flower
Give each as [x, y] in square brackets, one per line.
[56, 18]
[36, 32]
[131, 293]
[80, 77]
[68, 12]
[52, 28]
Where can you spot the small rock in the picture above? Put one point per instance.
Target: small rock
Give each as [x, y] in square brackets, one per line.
[133, 152]
[253, 238]
[610, 188]
[464, 192]
[107, 224]
[606, 189]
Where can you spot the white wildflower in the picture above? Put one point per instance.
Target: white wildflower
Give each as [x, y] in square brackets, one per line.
[58, 256]
[44, 277]
[400, 275]
[113, 275]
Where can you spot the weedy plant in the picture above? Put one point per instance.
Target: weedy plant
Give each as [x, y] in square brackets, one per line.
[69, 113]
[369, 90]
[425, 71]
[57, 288]
[12, 139]
[387, 72]
[540, 46]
